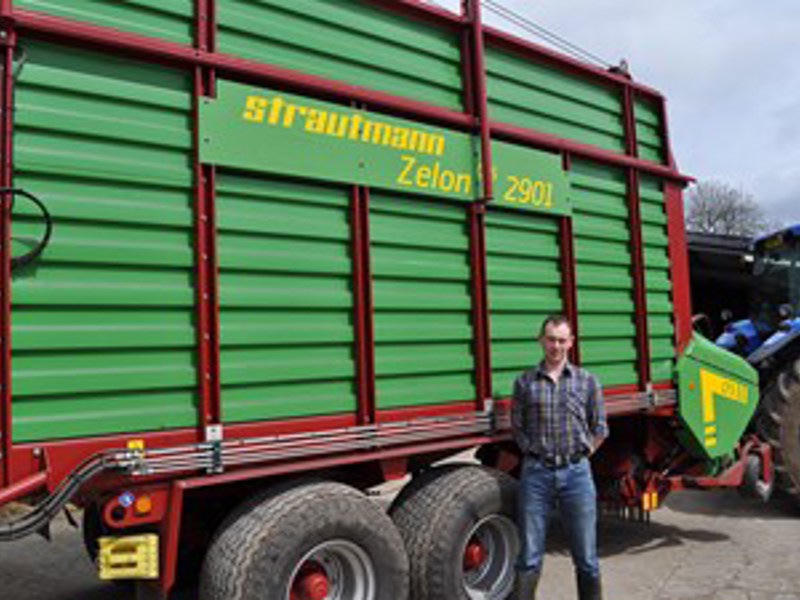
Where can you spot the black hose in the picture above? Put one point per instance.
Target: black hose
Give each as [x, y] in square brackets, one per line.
[19, 262]
[44, 512]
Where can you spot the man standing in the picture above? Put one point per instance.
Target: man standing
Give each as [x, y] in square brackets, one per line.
[558, 421]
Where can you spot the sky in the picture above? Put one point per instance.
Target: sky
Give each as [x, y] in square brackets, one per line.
[729, 69]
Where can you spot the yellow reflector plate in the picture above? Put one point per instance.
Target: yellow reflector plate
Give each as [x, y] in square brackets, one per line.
[132, 557]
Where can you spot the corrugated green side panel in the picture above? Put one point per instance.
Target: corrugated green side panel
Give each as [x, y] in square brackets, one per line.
[649, 132]
[348, 40]
[171, 20]
[422, 302]
[102, 326]
[524, 282]
[603, 271]
[538, 97]
[657, 279]
[286, 302]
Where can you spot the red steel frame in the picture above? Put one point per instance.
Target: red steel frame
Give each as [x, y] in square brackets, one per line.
[480, 304]
[6, 180]
[363, 306]
[679, 266]
[148, 48]
[476, 104]
[471, 9]
[206, 63]
[678, 247]
[201, 272]
[569, 291]
[207, 302]
[569, 285]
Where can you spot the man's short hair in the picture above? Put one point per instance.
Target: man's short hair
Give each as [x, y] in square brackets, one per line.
[555, 320]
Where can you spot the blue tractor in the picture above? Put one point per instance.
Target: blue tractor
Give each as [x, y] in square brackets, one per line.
[770, 340]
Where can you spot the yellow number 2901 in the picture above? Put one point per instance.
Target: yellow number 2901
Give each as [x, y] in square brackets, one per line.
[523, 190]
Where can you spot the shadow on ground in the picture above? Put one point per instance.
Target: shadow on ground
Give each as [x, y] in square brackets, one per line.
[618, 536]
[729, 503]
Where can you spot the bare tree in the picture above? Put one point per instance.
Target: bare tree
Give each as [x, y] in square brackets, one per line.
[718, 208]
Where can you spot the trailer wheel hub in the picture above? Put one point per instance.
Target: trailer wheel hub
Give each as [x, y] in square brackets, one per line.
[474, 555]
[311, 584]
[338, 569]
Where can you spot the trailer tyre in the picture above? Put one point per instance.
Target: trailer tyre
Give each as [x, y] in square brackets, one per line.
[460, 534]
[779, 425]
[314, 540]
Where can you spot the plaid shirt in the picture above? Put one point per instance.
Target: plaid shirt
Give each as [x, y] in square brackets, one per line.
[557, 419]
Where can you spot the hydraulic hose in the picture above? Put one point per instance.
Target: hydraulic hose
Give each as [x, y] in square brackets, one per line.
[43, 513]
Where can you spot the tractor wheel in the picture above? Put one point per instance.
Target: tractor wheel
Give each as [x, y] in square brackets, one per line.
[458, 525]
[303, 542]
[779, 425]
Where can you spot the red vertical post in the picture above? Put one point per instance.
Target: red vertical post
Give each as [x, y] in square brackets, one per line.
[211, 235]
[678, 247]
[636, 244]
[679, 266]
[471, 11]
[569, 285]
[6, 180]
[467, 70]
[211, 26]
[476, 104]
[480, 304]
[362, 306]
[201, 273]
[212, 280]
[207, 302]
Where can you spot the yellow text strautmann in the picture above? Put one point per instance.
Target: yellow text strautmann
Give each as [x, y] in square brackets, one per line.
[276, 111]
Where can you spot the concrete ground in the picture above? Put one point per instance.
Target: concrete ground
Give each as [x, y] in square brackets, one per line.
[700, 546]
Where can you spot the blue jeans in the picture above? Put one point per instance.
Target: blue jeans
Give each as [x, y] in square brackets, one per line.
[540, 487]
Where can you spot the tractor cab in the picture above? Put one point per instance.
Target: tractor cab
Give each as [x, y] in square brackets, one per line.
[775, 296]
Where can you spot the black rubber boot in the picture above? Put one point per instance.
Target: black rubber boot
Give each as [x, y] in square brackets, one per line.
[589, 588]
[525, 585]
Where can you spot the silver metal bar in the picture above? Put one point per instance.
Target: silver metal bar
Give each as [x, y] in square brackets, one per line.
[302, 445]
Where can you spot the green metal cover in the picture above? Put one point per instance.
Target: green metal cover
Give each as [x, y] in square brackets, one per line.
[718, 394]
[422, 302]
[523, 254]
[606, 309]
[649, 136]
[170, 20]
[348, 41]
[286, 303]
[658, 285]
[103, 324]
[544, 99]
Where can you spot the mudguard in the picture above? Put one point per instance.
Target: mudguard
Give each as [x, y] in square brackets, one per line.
[718, 394]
